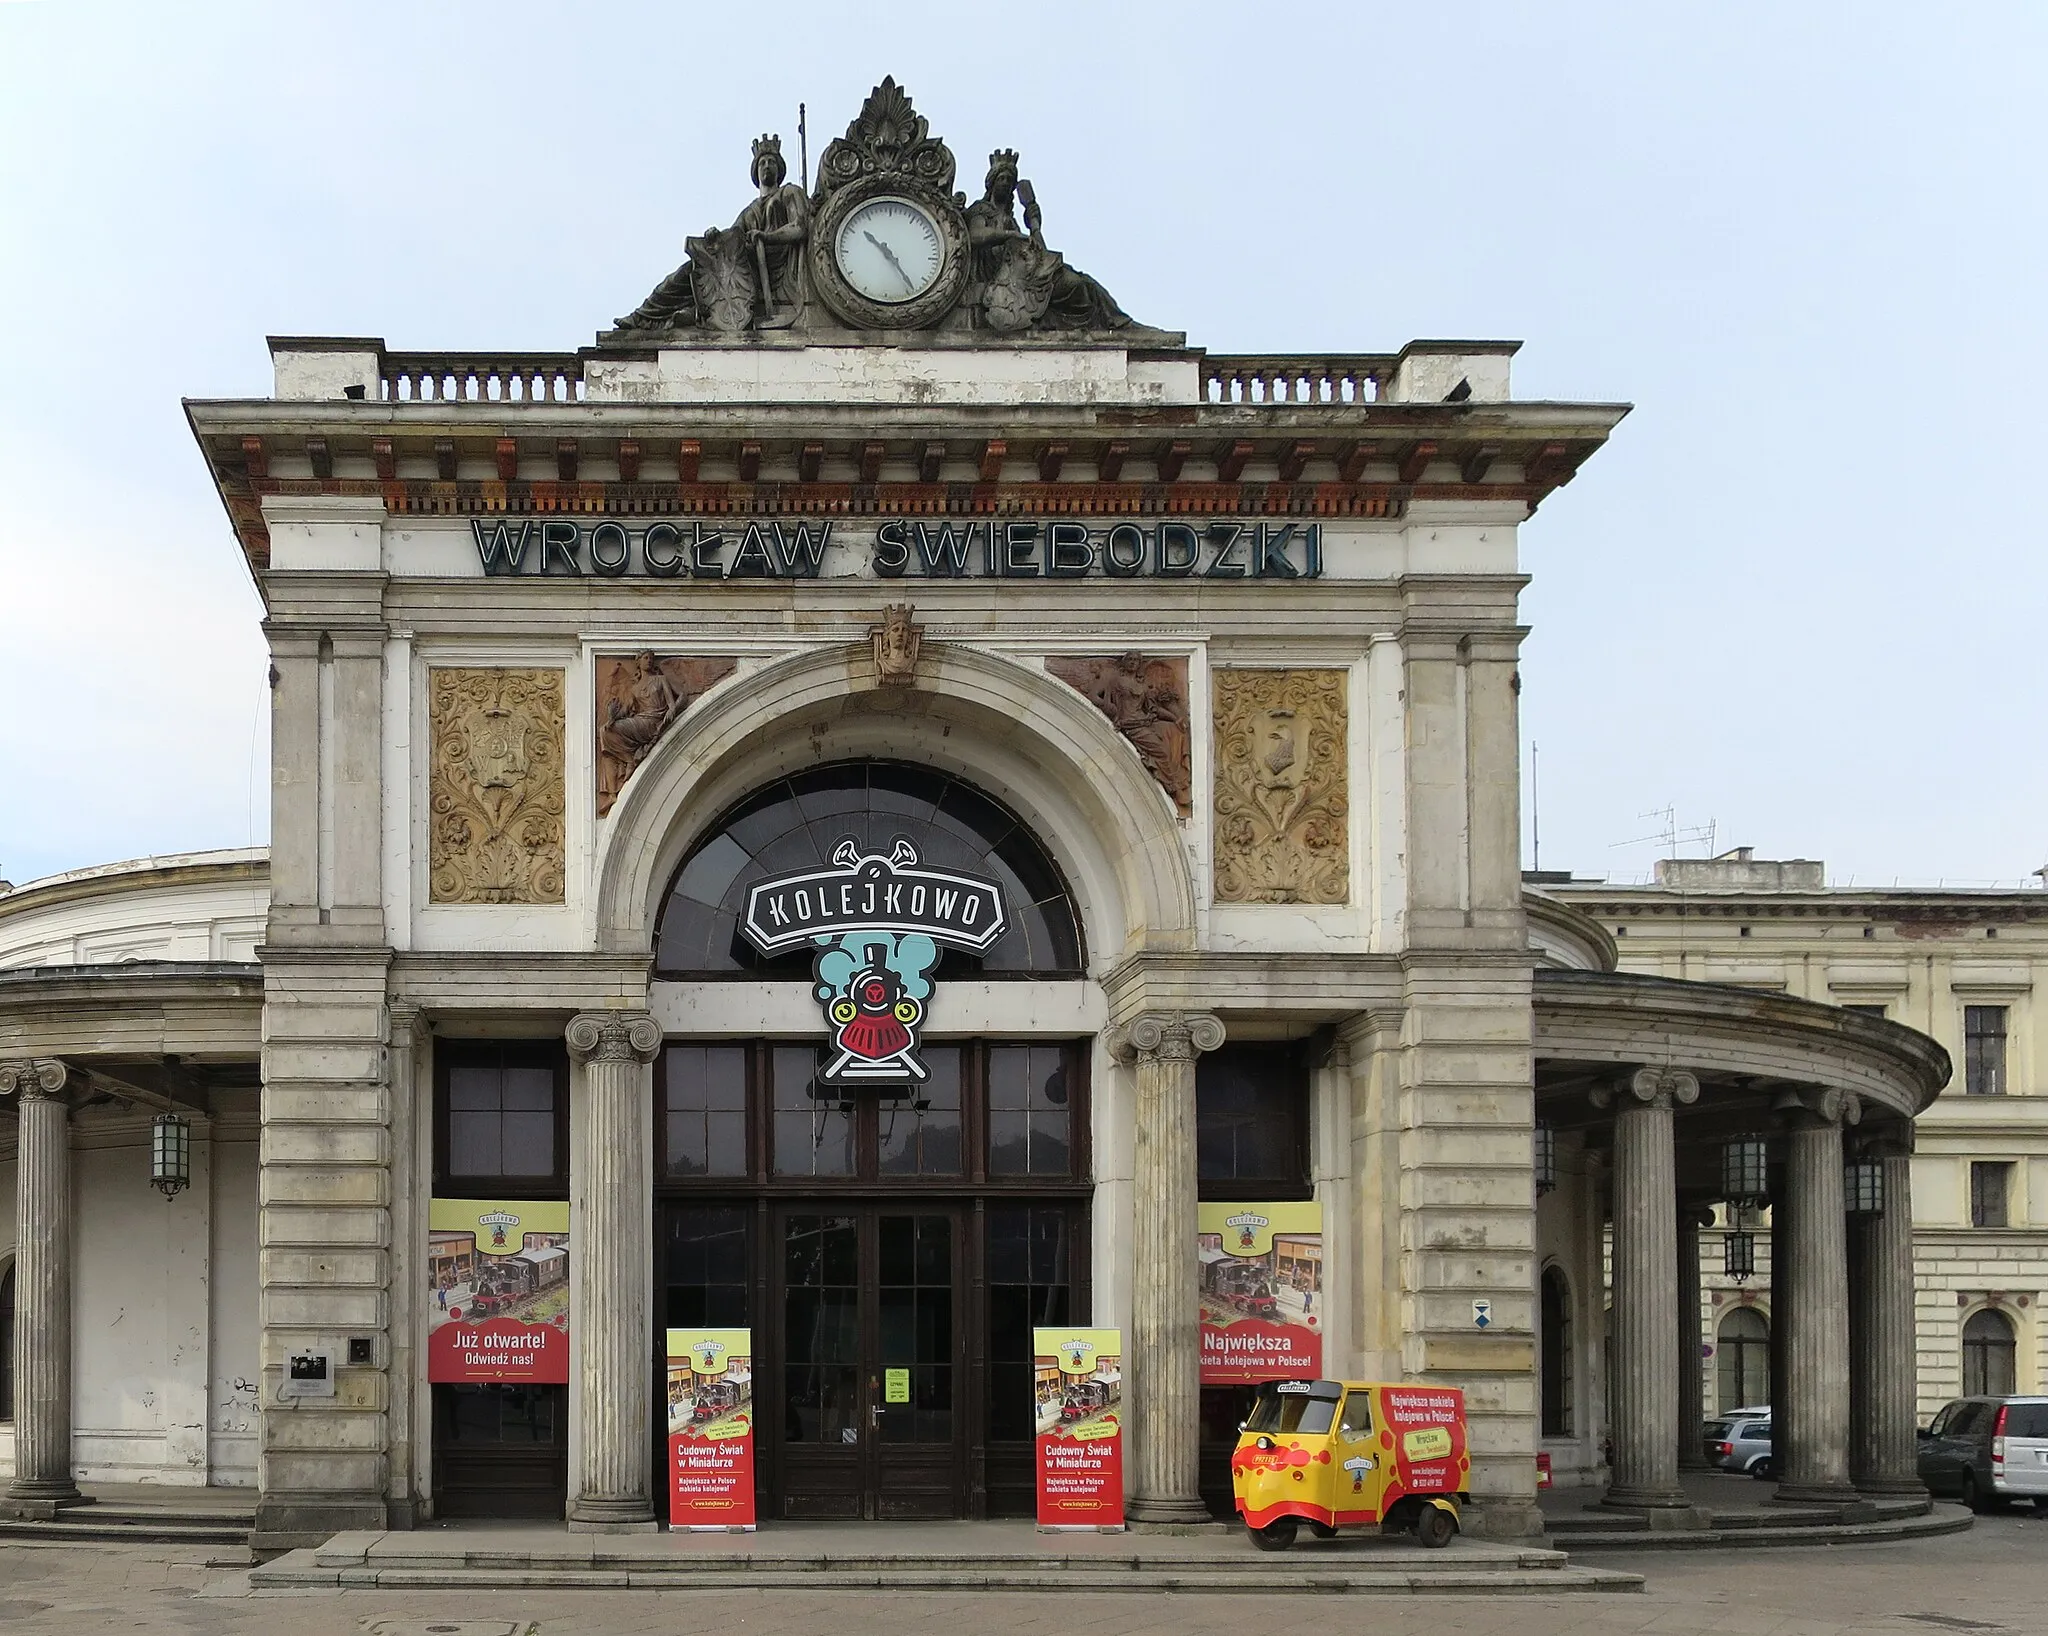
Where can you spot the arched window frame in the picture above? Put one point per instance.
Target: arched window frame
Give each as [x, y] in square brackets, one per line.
[1557, 1384]
[6, 1339]
[1990, 1363]
[1741, 1394]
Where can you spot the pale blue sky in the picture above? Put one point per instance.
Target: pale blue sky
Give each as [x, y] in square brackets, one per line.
[1801, 593]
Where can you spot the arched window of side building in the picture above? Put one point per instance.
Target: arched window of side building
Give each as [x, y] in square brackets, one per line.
[1557, 1354]
[1743, 1353]
[7, 1343]
[1989, 1352]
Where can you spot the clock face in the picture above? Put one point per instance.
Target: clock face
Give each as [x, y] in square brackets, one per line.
[890, 251]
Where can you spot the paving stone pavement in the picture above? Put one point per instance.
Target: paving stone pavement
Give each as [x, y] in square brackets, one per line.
[1991, 1581]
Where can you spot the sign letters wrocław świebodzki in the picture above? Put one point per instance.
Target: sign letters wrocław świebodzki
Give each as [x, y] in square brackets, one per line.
[903, 547]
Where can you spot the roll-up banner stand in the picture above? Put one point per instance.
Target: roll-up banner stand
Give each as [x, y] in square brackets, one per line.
[711, 1429]
[1079, 1381]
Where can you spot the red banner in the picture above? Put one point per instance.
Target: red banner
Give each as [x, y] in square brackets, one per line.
[1079, 1379]
[710, 1428]
[1425, 1433]
[498, 1290]
[1262, 1286]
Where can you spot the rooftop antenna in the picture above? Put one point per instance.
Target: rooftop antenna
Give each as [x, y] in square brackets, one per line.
[803, 147]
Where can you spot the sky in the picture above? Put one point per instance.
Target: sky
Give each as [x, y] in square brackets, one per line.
[1795, 603]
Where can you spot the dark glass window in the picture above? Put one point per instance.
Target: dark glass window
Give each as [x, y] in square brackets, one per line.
[1030, 1249]
[709, 1270]
[1557, 1354]
[1984, 1050]
[1989, 1356]
[915, 1296]
[1866, 1010]
[919, 1134]
[814, 1126]
[1251, 1123]
[821, 1329]
[503, 1117]
[704, 1096]
[7, 1344]
[1990, 1189]
[1030, 1113]
[500, 1414]
[799, 821]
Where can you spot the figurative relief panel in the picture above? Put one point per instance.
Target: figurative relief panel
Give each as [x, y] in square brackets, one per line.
[1146, 700]
[495, 834]
[1281, 812]
[639, 697]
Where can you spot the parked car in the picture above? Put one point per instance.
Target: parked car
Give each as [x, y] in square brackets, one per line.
[1987, 1450]
[1742, 1442]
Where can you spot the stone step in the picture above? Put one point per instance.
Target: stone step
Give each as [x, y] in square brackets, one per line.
[170, 1529]
[1942, 1519]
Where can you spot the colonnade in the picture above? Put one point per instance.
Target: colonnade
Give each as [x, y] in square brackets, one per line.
[43, 1217]
[1833, 1330]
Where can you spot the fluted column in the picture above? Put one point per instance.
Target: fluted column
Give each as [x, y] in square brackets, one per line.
[610, 1490]
[42, 1288]
[1884, 1360]
[1813, 1449]
[1692, 1454]
[1165, 1363]
[1645, 1422]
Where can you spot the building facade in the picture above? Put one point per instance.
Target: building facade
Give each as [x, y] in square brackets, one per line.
[1959, 965]
[627, 706]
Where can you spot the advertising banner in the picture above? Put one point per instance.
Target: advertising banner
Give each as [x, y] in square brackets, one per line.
[711, 1428]
[1262, 1292]
[1079, 1379]
[1426, 1432]
[498, 1290]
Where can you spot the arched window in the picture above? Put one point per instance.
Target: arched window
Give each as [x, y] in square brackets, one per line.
[7, 1343]
[1989, 1351]
[1742, 1353]
[798, 821]
[1557, 1354]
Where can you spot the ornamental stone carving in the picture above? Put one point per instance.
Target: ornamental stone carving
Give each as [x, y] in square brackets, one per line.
[1652, 1087]
[897, 642]
[639, 698]
[1281, 811]
[1146, 700]
[1165, 1036]
[613, 1036]
[1821, 1104]
[41, 1077]
[495, 834]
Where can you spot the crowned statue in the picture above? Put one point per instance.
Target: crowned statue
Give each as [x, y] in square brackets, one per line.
[1024, 285]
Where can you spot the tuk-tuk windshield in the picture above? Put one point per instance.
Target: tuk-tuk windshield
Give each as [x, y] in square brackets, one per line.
[1290, 1409]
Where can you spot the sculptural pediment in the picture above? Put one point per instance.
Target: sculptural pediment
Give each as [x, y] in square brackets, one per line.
[881, 245]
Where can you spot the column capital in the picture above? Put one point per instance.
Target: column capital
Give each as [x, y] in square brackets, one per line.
[1648, 1087]
[33, 1077]
[613, 1036]
[1817, 1105]
[1165, 1036]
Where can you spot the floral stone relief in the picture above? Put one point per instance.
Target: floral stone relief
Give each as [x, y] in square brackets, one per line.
[639, 697]
[1282, 813]
[496, 786]
[1146, 700]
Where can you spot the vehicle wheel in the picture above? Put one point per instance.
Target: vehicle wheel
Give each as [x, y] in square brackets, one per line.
[1764, 1470]
[1322, 1530]
[1434, 1528]
[1969, 1493]
[1275, 1536]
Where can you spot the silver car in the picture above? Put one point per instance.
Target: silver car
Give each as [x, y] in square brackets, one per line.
[1742, 1442]
[1987, 1450]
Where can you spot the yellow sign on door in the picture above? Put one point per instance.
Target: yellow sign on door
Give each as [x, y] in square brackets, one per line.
[896, 1385]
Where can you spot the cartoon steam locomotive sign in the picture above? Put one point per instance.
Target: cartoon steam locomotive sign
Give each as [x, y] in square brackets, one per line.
[878, 921]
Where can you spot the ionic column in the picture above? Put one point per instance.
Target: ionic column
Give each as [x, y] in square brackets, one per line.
[42, 1288]
[609, 1489]
[1813, 1449]
[1645, 1423]
[1692, 1455]
[1165, 1364]
[1884, 1362]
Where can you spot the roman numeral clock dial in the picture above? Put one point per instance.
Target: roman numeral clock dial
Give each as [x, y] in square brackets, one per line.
[890, 251]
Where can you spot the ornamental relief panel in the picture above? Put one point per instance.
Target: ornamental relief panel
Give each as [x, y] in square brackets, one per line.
[1146, 700]
[1282, 813]
[495, 786]
[639, 697]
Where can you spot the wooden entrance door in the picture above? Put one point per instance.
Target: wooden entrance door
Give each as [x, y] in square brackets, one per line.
[870, 1361]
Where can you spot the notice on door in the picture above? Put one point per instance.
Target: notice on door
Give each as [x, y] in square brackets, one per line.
[711, 1429]
[1262, 1291]
[1079, 1379]
[498, 1290]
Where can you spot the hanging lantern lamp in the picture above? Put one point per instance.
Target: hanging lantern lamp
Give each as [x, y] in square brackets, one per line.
[1744, 1182]
[1738, 1253]
[1863, 1187]
[170, 1154]
[1545, 1159]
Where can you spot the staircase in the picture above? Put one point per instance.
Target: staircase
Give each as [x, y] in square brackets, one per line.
[145, 1514]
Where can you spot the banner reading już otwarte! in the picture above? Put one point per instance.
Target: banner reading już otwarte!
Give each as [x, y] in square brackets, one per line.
[1262, 1291]
[498, 1290]
[710, 1428]
[1079, 1381]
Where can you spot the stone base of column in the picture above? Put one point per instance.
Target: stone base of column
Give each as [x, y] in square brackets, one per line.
[1145, 1509]
[611, 1517]
[1502, 1519]
[1660, 1514]
[40, 1502]
[1891, 1488]
[1815, 1494]
[291, 1522]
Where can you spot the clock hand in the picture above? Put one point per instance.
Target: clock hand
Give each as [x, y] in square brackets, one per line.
[890, 256]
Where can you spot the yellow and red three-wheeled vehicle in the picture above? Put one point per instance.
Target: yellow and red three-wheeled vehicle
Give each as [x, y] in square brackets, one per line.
[1348, 1453]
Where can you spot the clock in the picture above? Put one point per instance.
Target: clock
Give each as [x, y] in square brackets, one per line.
[890, 250]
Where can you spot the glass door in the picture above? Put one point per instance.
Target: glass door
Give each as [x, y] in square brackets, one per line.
[870, 1361]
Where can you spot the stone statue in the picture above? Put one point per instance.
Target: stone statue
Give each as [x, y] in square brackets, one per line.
[747, 276]
[1146, 700]
[638, 700]
[897, 641]
[1024, 285]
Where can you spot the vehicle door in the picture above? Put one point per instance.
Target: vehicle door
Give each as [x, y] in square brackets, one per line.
[1360, 1479]
[1941, 1456]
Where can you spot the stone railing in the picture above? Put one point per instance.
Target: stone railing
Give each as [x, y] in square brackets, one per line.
[496, 377]
[1280, 377]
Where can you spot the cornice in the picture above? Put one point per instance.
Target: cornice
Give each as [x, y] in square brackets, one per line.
[143, 874]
